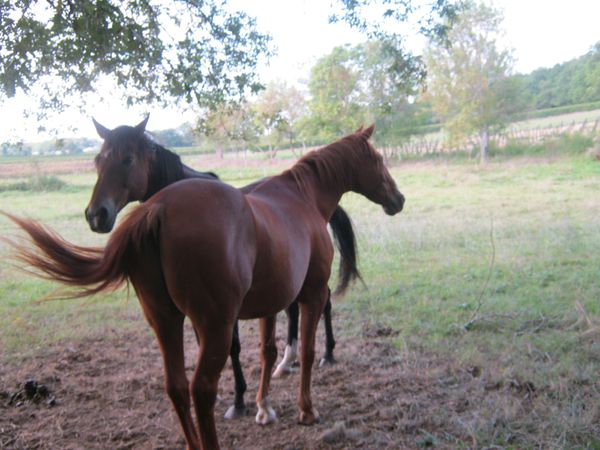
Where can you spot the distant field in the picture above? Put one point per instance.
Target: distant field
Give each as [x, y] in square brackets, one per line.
[564, 119]
[511, 251]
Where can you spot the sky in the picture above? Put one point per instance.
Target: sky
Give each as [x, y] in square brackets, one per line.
[541, 32]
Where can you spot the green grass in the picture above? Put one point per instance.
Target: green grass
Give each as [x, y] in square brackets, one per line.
[564, 144]
[427, 268]
[511, 249]
[38, 183]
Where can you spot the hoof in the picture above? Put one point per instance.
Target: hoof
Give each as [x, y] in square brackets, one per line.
[309, 418]
[234, 412]
[265, 416]
[283, 370]
[327, 361]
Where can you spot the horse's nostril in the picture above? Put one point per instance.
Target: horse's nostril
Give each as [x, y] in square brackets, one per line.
[96, 217]
[102, 213]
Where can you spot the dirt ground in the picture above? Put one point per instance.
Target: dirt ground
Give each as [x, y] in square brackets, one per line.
[107, 393]
[60, 166]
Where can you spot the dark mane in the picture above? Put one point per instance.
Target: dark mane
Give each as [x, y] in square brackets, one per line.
[331, 162]
[166, 167]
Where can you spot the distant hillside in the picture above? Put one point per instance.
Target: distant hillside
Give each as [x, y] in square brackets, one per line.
[571, 83]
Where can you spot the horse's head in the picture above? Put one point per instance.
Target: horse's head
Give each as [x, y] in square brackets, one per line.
[373, 178]
[123, 166]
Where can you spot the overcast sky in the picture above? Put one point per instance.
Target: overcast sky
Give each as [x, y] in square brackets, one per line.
[542, 32]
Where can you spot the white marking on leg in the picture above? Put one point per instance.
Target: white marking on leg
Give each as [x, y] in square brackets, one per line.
[289, 357]
[265, 414]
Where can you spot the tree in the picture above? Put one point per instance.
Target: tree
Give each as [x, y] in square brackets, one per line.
[386, 100]
[390, 21]
[183, 136]
[354, 86]
[468, 77]
[334, 105]
[229, 126]
[194, 50]
[278, 109]
[570, 83]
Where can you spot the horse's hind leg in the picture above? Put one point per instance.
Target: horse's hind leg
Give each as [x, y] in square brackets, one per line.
[239, 408]
[266, 414]
[329, 340]
[167, 322]
[170, 338]
[215, 342]
[291, 349]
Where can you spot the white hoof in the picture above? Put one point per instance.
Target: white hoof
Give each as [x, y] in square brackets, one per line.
[266, 415]
[283, 370]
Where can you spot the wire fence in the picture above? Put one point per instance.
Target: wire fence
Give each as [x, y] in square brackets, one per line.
[526, 136]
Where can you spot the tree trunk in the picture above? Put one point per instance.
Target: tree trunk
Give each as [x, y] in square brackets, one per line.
[484, 143]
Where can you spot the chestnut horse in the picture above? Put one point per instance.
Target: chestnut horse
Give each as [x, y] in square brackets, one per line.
[206, 250]
[131, 167]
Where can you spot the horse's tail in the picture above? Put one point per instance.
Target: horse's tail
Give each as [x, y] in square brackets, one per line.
[89, 269]
[345, 241]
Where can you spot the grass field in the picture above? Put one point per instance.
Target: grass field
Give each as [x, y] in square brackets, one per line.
[495, 268]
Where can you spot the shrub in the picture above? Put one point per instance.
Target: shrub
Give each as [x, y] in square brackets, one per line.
[36, 183]
[563, 144]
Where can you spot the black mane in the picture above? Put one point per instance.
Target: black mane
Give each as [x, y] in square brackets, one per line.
[166, 168]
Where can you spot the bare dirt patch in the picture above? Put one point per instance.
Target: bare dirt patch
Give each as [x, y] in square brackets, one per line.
[60, 166]
[107, 392]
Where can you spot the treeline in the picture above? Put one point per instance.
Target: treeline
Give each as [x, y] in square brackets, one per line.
[571, 83]
[352, 86]
[349, 87]
[67, 146]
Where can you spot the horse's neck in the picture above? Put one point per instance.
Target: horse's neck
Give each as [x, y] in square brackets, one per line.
[323, 195]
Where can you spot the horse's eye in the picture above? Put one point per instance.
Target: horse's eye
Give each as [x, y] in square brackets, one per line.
[127, 160]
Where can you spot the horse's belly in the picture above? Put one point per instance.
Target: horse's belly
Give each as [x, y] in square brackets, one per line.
[274, 290]
[266, 303]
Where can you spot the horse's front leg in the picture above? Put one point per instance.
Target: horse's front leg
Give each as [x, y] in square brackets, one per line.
[311, 308]
[286, 365]
[239, 408]
[266, 414]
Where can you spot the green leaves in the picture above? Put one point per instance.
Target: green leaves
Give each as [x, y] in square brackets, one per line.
[391, 21]
[192, 50]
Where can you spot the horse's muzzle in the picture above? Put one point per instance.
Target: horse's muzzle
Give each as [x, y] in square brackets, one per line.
[395, 205]
[100, 220]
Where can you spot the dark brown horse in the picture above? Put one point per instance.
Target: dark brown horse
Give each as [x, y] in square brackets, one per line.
[205, 250]
[132, 167]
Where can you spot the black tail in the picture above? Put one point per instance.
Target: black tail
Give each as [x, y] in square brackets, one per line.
[345, 241]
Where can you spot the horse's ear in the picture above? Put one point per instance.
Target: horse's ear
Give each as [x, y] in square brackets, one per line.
[141, 127]
[360, 130]
[103, 132]
[367, 133]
